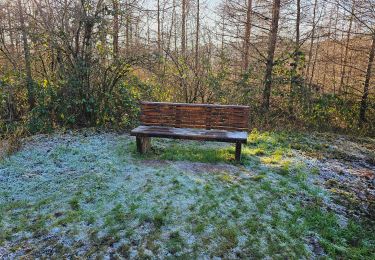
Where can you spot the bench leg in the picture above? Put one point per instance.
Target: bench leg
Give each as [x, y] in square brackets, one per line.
[143, 144]
[238, 151]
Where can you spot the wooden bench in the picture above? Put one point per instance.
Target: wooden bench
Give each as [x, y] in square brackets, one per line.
[222, 123]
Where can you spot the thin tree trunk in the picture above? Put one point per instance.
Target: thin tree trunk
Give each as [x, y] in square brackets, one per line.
[159, 30]
[11, 37]
[197, 39]
[127, 28]
[197, 72]
[314, 63]
[246, 44]
[183, 29]
[343, 69]
[311, 42]
[296, 55]
[362, 112]
[334, 50]
[183, 48]
[26, 49]
[175, 26]
[115, 28]
[270, 55]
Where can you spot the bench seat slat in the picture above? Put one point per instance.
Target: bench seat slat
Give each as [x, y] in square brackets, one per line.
[190, 133]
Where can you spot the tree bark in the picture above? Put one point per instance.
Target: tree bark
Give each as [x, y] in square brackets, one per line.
[246, 44]
[158, 17]
[311, 43]
[183, 29]
[127, 28]
[26, 49]
[183, 49]
[270, 55]
[197, 72]
[364, 99]
[197, 39]
[296, 57]
[115, 28]
[345, 61]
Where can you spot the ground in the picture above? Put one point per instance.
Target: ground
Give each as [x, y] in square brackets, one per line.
[89, 194]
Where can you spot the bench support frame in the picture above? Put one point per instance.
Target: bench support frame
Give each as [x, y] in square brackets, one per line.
[144, 145]
[238, 151]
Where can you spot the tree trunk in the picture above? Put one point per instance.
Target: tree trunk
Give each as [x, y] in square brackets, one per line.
[159, 32]
[127, 28]
[197, 72]
[115, 28]
[183, 48]
[246, 44]
[296, 57]
[197, 39]
[362, 112]
[343, 69]
[26, 49]
[10, 27]
[270, 55]
[183, 29]
[311, 43]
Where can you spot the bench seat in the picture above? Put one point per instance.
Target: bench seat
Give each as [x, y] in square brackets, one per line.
[191, 133]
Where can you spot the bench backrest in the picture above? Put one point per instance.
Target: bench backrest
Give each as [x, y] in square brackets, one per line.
[207, 116]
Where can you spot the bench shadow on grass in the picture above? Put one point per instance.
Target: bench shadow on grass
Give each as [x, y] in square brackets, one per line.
[184, 150]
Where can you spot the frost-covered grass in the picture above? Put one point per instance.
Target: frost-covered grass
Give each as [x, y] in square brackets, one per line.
[92, 195]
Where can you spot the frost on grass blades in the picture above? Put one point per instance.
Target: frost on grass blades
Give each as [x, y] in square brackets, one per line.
[91, 195]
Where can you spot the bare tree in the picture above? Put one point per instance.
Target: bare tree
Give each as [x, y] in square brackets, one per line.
[364, 99]
[26, 49]
[348, 35]
[115, 5]
[296, 58]
[270, 55]
[246, 44]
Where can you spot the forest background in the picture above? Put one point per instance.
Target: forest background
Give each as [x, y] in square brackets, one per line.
[302, 65]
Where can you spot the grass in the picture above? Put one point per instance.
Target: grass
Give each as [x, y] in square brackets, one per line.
[102, 194]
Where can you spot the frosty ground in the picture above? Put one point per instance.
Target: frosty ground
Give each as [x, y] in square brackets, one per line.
[89, 194]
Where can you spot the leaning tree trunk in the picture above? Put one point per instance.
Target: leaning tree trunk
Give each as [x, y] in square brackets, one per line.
[362, 111]
[311, 43]
[270, 55]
